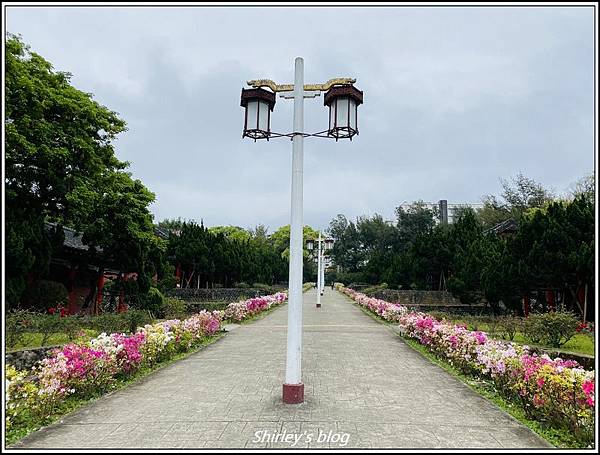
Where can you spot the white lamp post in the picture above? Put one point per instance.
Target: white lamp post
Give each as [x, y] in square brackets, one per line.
[319, 267]
[322, 272]
[327, 245]
[258, 103]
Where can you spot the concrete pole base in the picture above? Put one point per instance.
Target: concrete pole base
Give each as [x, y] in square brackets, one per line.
[293, 393]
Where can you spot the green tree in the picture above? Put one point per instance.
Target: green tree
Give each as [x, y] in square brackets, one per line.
[519, 194]
[60, 163]
[232, 232]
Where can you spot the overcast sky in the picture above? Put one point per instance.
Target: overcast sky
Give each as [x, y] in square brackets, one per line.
[455, 98]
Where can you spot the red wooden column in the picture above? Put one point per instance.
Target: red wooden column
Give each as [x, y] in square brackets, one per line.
[99, 295]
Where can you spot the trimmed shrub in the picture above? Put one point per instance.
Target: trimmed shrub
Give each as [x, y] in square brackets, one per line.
[372, 290]
[554, 328]
[173, 308]
[153, 301]
[508, 326]
[135, 319]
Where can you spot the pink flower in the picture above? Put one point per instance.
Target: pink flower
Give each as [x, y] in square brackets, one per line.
[588, 387]
[480, 337]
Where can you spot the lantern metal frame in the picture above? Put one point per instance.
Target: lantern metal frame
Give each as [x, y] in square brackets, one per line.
[259, 95]
[328, 244]
[332, 98]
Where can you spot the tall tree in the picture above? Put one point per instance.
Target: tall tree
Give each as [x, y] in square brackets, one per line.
[59, 160]
[519, 194]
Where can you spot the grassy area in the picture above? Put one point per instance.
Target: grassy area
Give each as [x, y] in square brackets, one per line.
[34, 340]
[72, 403]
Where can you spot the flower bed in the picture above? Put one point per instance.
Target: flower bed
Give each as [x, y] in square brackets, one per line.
[90, 367]
[391, 312]
[238, 311]
[87, 368]
[555, 391]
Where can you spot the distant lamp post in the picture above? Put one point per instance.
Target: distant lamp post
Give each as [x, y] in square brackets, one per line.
[258, 103]
[328, 244]
[343, 102]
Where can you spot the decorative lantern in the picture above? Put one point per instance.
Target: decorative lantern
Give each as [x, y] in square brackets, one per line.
[310, 244]
[257, 118]
[343, 102]
[328, 244]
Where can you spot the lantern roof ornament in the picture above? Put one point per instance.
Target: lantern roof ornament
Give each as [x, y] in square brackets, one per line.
[251, 94]
[307, 87]
[348, 91]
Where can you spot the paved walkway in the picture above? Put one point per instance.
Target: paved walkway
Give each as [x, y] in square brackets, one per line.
[363, 388]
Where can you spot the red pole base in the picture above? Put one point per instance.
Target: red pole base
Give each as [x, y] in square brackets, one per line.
[318, 305]
[293, 393]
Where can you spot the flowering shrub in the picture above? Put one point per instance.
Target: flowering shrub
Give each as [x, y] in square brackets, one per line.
[238, 311]
[21, 395]
[389, 311]
[88, 367]
[84, 368]
[559, 392]
[77, 368]
[586, 328]
[128, 354]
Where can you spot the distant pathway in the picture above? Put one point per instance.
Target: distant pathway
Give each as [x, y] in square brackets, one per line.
[363, 386]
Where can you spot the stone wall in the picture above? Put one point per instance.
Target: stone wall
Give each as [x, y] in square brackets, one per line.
[410, 297]
[428, 301]
[25, 359]
[193, 295]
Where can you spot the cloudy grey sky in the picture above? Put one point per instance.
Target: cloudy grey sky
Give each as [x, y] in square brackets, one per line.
[455, 98]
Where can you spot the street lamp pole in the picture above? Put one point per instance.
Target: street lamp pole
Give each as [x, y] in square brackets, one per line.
[293, 388]
[319, 265]
[342, 99]
[323, 271]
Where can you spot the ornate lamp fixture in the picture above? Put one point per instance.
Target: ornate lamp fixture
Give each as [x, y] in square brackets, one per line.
[310, 244]
[257, 119]
[341, 97]
[343, 102]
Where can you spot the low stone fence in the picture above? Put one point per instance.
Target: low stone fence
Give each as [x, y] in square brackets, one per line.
[429, 301]
[218, 298]
[423, 298]
[193, 295]
[25, 359]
